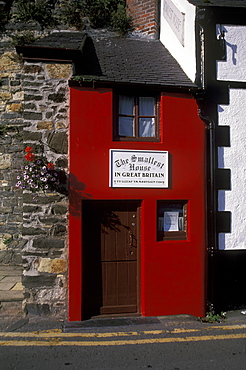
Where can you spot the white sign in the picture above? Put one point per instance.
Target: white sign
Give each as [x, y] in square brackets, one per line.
[175, 18]
[138, 169]
[171, 220]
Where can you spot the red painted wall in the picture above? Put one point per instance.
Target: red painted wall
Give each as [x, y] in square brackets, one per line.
[172, 273]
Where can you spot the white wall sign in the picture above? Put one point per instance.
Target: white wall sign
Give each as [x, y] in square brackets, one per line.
[138, 169]
[175, 18]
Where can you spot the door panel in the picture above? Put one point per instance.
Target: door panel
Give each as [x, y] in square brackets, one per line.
[110, 257]
[119, 287]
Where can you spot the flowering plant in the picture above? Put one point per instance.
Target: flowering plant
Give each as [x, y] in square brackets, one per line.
[37, 174]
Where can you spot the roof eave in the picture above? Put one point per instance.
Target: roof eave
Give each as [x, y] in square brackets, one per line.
[150, 86]
[37, 53]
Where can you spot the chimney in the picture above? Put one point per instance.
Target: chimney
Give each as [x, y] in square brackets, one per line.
[145, 15]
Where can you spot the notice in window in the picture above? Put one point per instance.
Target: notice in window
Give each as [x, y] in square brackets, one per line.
[171, 221]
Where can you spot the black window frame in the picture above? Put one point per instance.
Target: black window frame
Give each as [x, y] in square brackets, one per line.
[156, 116]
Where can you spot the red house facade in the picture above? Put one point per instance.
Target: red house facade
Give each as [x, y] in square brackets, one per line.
[137, 231]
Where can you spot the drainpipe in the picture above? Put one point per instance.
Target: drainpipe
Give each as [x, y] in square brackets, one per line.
[203, 20]
[212, 209]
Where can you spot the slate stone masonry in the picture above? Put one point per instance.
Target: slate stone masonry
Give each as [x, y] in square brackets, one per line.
[34, 112]
[11, 149]
[44, 228]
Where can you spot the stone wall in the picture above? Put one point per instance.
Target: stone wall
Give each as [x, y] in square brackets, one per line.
[34, 112]
[45, 119]
[11, 149]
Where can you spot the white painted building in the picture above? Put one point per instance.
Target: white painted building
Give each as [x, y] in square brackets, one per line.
[234, 116]
[208, 39]
[179, 33]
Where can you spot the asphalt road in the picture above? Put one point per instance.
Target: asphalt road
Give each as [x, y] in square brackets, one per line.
[172, 345]
[222, 354]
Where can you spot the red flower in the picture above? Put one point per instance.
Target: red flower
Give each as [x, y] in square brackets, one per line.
[30, 157]
[50, 166]
[28, 149]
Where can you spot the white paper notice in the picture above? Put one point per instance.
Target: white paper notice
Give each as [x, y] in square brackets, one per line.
[171, 221]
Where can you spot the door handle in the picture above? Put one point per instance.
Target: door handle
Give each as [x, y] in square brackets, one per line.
[130, 239]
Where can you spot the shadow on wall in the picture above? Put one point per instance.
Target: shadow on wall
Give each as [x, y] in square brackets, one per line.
[224, 186]
[62, 178]
[229, 280]
[234, 52]
[76, 194]
[223, 31]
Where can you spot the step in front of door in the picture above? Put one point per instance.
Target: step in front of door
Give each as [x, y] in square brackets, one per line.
[118, 309]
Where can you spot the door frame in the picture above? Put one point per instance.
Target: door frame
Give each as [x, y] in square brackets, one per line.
[137, 203]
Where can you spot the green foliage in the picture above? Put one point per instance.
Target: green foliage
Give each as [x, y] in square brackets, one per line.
[101, 13]
[24, 38]
[3, 129]
[4, 17]
[5, 7]
[7, 240]
[81, 79]
[121, 21]
[39, 11]
[211, 317]
[75, 13]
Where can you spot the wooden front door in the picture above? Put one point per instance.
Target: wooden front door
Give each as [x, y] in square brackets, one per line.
[110, 257]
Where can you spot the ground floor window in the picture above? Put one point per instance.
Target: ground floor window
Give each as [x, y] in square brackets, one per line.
[171, 220]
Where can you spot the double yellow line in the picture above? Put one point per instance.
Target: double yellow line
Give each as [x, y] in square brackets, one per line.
[58, 338]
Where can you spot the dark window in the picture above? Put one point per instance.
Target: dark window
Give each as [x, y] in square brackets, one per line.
[171, 220]
[137, 118]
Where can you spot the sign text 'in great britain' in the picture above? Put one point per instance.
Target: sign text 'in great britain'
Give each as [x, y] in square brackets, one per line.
[138, 169]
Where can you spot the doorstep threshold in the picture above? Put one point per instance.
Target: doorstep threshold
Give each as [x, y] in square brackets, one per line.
[103, 322]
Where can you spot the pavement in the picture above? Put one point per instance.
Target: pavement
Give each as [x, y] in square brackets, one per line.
[40, 324]
[161, 323]
[12, 315]
[13, 318]
[11, 289]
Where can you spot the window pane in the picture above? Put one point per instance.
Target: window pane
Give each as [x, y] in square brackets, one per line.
[126, 125]
[126, 105]
[147, 127]
[146, 106]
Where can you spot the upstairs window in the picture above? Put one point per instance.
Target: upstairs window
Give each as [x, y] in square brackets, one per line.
[137, 118]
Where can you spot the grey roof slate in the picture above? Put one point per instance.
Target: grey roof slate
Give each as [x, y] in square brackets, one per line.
[107, 57]
[130, 60]
[223, 3]
[61, 40]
